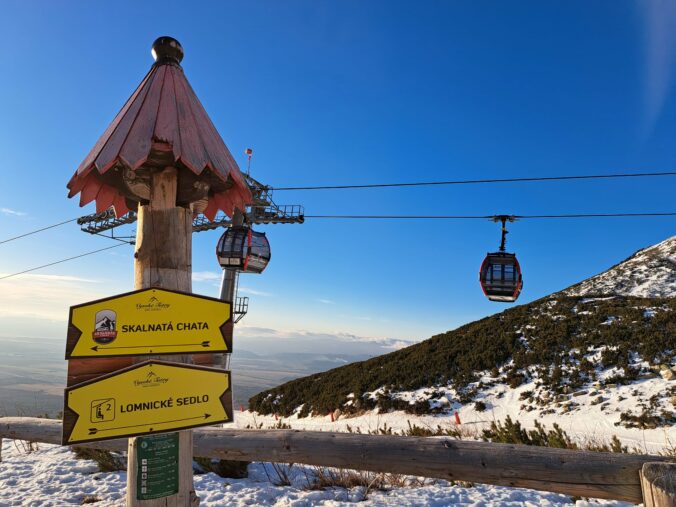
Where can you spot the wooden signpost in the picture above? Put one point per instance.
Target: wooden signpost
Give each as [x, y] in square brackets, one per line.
[163, 156]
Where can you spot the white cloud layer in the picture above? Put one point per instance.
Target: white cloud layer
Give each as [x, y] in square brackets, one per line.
[254, 292]
[205, 276]
[271, 341]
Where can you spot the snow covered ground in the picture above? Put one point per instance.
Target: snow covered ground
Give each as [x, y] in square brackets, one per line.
[53, 477]
[584, 421]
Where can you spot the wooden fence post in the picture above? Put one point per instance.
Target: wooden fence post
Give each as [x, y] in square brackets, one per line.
[658, 483]
[163, 259]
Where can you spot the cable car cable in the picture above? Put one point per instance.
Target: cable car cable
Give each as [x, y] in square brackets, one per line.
[598, 215]
[416, 184]
[38, 230]
[62, 260]
[491, 180]
[491, 217]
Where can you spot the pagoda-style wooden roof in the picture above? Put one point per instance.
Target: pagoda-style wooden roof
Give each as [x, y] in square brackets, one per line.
[162, 124]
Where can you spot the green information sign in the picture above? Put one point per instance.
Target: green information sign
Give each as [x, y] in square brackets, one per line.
[157, 464]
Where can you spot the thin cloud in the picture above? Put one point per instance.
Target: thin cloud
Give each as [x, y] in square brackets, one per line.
[205, 276]
[355, 317]
[12, 212]
[253, 292]
[327, 301]
[57, 278]
[659, 18]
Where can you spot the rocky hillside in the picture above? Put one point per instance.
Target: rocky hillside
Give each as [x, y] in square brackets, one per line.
[569, 349]
[648, 273]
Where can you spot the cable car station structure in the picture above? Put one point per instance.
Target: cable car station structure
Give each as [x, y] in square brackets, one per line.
[263, 210]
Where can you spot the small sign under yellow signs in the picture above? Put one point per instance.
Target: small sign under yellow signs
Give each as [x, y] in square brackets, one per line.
[149, 321]
[157, 466]
[151, 397]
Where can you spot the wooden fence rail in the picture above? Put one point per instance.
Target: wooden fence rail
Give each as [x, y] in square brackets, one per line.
[578, 473]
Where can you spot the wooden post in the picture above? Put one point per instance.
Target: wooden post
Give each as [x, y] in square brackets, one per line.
[163, 259]
[658, 483]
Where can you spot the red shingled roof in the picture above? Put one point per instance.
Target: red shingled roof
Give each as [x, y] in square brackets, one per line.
[162, 124]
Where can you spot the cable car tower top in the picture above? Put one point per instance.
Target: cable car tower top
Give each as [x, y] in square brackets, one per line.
[262, 210]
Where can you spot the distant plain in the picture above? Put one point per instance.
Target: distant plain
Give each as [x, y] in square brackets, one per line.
[33, 374]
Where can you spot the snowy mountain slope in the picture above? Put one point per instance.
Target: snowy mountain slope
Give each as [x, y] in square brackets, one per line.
[606, 362]
[650, 272]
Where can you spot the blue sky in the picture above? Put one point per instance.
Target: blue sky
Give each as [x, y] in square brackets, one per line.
[353, 92]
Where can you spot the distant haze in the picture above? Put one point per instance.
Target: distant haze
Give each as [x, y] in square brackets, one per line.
[33, 375]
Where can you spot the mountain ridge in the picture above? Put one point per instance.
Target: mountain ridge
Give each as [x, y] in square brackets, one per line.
[630, 277]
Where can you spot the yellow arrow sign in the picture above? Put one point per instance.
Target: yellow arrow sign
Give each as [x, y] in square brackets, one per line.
[149, 321]
[150, 397]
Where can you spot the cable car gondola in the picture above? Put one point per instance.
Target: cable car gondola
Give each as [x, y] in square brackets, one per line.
[243, 249]
[500, 272]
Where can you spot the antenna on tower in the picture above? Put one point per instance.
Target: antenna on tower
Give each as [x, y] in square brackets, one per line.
[249, 153]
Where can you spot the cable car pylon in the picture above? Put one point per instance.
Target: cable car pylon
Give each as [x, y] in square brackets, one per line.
[500, 273]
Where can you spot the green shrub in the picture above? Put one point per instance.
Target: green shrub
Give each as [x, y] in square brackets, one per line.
[107, 461]
[511, 432]
[227, 468]
[456, 357]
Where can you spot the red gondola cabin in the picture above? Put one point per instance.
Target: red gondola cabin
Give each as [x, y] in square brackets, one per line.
[500, 277]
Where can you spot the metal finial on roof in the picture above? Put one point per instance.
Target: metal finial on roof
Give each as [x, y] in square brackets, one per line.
[167, 50]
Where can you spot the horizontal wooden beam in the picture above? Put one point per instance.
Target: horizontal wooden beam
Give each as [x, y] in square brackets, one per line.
[578, 473]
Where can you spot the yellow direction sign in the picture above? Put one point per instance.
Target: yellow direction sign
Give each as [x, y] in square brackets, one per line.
[149, 321]
[150, 397]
